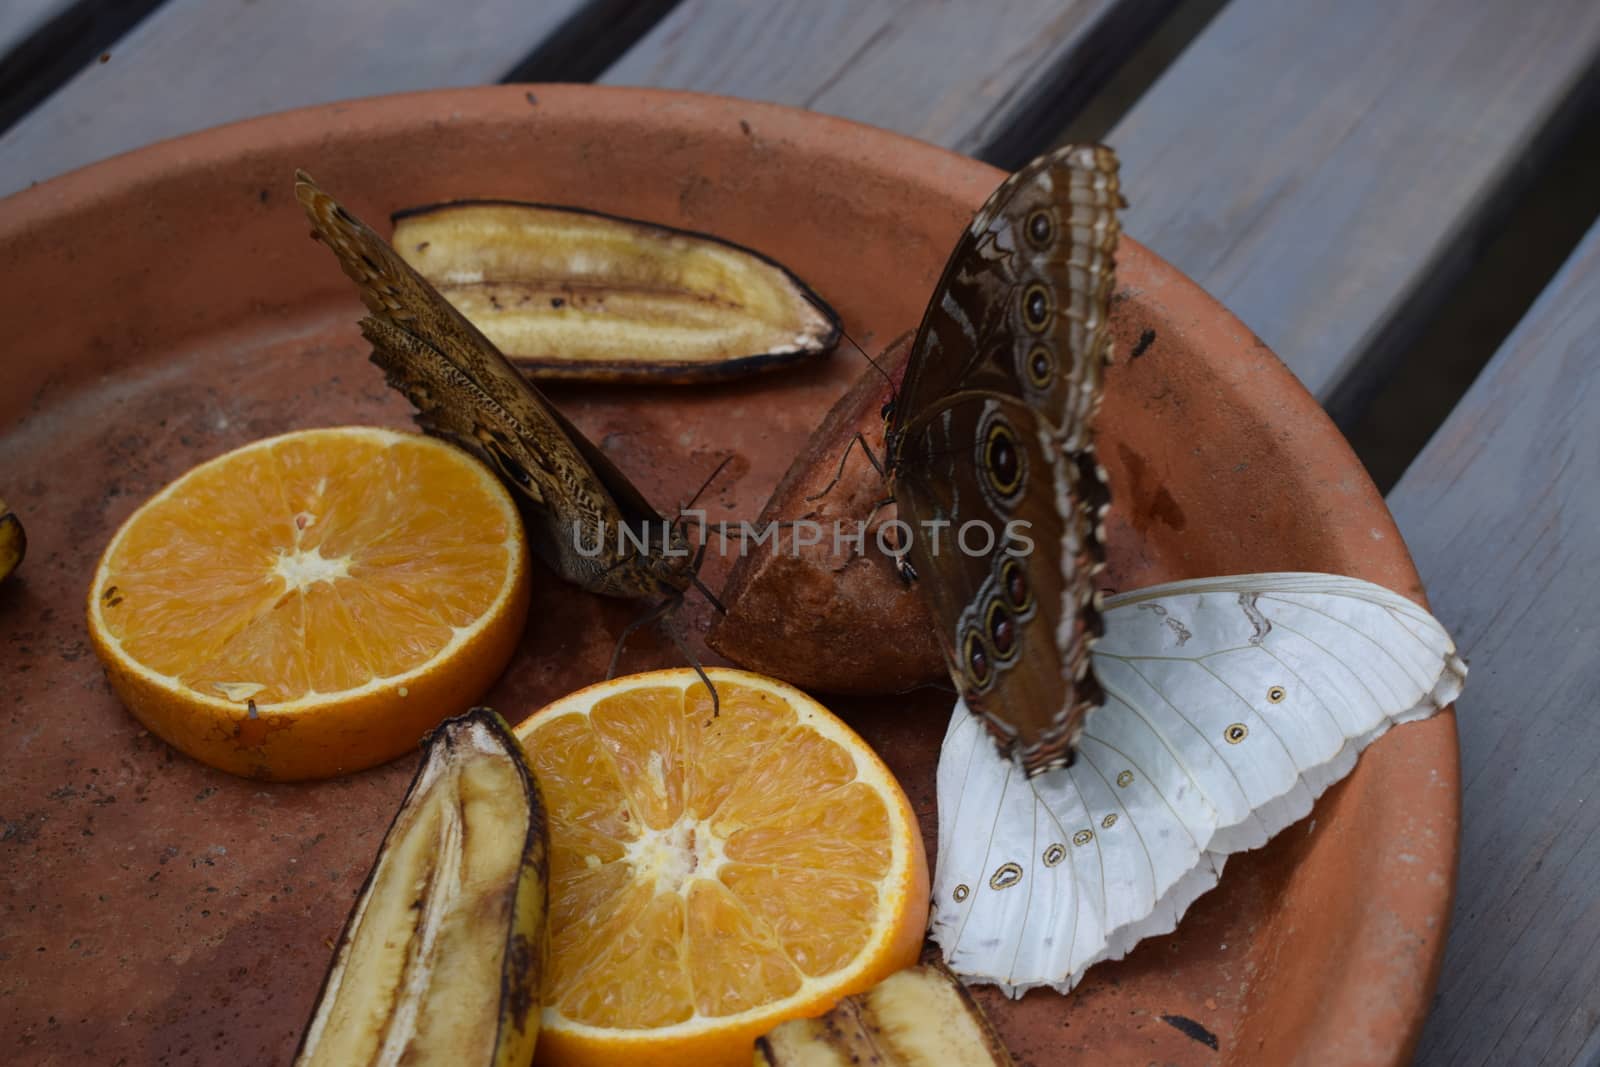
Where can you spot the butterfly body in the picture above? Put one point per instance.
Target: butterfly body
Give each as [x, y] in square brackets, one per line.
[584, 519]
[991, 442]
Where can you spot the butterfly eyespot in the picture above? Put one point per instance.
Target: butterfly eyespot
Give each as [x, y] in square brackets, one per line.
[1236, 733]
[1041, 228]
[1054, 854]
[1276, 694]
[1125, 779]
[1004, 634]
[1083, 837]
[1002, 463]
[979, 669]
[1002, 630]
[1014, 580]
[1036, 307]
[1109, 821]
[1005, 876]
[961, 893]
[1041, 366]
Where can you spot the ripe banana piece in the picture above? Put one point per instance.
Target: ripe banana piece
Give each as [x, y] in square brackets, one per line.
[440, 960]
[918, 1017]
[13, 541]
[569, 293]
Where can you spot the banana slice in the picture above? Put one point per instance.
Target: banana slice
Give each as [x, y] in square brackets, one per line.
[441, 957]
[918, 1017]
[13, 541]
[567, 293]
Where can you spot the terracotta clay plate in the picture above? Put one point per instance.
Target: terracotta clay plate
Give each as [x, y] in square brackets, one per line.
[168, 305]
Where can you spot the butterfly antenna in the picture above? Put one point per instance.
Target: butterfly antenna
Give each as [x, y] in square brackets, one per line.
[706, 484]
[703, 487]
[875, 364]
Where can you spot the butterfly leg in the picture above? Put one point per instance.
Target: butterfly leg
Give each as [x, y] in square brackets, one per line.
[866, 449]
[662, 613]
[905, 570]
[902, 566]
[661, 610]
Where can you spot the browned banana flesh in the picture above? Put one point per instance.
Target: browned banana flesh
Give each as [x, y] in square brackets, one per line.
[13, 541]
[918, 1017]
[574, 294]
[440, 959]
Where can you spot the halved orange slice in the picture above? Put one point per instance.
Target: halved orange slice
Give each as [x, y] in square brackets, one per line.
[713, 874]
[313, 603]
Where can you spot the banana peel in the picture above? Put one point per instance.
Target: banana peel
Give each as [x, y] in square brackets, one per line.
[575, 294]
[13, 541]
[919, 1017]
[441, 959]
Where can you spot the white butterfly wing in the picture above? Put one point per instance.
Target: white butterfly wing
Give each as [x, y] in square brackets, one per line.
[1231, 704]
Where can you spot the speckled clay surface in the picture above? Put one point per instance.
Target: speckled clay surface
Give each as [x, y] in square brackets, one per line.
[167, 306]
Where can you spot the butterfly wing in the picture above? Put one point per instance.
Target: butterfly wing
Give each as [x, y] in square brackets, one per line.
[574, 499]
[1005, 545]
[1231, 704]
[1022, 308]
[992, 429]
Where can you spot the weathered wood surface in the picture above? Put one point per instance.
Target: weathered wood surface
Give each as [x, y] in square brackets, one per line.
[1326, 167]
[199, 63]
[19, 19]
[44, 42]
[1502, 512]
[995, 80]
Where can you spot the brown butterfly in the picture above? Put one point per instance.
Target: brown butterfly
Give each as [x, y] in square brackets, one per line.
[990, 444]
[584, 519]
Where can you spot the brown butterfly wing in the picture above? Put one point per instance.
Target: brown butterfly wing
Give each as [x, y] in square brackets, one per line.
[993, 428]
[1023, 303]
[572, 497]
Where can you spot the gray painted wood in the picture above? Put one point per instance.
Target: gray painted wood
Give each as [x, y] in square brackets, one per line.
[199, 63]
[992, 79]
[19, 19]
[1326, 167]
[1502, 513]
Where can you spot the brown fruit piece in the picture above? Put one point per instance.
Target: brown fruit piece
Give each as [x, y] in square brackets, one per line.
[831, 616]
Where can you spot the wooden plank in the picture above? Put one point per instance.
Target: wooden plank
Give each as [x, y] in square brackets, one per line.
[993, 80]
[1502, 512]
[45, 42]
[21, 19]
[199, 63]
[1326, 168]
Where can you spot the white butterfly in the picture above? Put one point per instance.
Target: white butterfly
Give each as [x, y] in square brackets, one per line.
[1231, 704]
